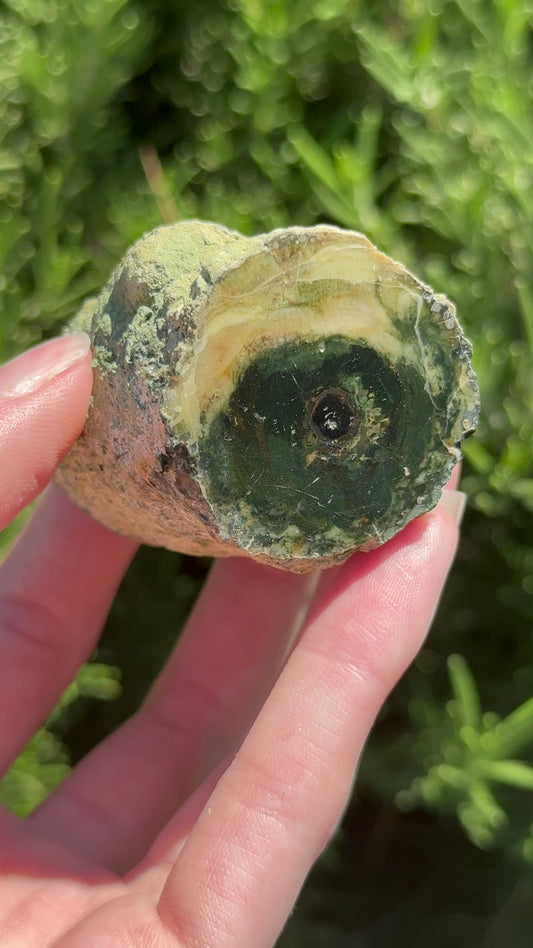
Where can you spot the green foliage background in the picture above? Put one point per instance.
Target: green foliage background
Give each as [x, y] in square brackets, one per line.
[412, 121]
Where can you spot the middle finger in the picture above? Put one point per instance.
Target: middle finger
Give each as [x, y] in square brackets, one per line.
[123, 793]
[56, 587]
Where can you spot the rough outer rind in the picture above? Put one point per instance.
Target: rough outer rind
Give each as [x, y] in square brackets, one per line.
[181, 320]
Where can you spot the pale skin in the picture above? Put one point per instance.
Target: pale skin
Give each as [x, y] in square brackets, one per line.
[195, 824]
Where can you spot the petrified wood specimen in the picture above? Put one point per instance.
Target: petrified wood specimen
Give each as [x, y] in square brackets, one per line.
[292, 396]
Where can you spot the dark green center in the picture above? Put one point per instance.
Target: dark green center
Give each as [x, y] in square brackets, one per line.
[321, 445]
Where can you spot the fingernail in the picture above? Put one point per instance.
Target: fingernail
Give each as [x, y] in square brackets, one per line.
[29, 372]
[454, 502]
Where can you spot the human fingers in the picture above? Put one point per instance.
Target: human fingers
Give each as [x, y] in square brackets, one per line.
[58, 580]
[196, 713]
[56, 587]
[277, 804]
[44, 397]
[453, 483]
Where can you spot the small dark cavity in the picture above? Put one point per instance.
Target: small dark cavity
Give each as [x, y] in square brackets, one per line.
[194, 290]
[165, 461]
[128, 294]
[176, 458]
[333, 415]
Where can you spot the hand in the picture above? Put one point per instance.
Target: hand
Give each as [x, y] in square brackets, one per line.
[196, 822]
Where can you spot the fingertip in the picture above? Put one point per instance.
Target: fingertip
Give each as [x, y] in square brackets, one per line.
[455, 477]
[34, 369]
[44, 399]
[453, 502]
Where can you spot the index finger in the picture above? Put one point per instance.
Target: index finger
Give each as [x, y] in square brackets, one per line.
[44, 397]
[59, 579]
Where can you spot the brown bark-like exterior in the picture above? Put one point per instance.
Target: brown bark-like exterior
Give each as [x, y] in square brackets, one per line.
[293, 396]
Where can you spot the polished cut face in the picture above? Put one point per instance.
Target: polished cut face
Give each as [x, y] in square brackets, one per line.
[316, 447]
[292, 396]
